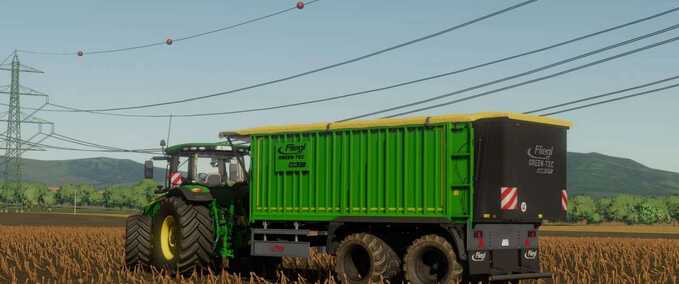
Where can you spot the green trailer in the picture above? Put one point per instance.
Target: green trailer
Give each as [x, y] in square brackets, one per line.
[424, 199]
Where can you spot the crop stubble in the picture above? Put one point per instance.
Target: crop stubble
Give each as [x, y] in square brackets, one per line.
[60, 254]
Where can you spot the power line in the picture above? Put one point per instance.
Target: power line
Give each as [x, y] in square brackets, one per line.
[603, 95]
[171, 41]
[320, 69]
[48, 146]
[81, 142]
[137, 151]
[65, 138]
[532, 71]
[542, 78]
[649, 92]
[147, 152]
[400, 84]
[7, 58]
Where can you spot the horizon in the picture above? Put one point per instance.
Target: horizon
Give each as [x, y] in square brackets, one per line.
[569, 152]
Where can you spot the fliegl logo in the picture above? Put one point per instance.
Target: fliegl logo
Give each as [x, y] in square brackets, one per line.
[540, 152]
[292, 156]
[540, 158]
[479, 256]
[291, 149]
[530, 254]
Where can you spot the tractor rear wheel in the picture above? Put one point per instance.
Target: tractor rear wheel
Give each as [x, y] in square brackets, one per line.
[431, 259]
[138, 238]
[365, 258]
[183, 237]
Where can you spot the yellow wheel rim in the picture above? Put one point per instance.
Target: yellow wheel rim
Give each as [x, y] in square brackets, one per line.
[167, 238]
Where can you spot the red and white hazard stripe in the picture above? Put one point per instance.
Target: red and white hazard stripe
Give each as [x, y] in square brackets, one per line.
[509, 198]
[564, 200]
[175, 179]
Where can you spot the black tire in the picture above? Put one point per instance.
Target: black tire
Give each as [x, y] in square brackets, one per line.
[138, 248]
[365, 258]
[431, 259]
[186, 242]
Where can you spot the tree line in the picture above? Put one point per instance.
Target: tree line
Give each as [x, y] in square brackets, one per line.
[36, 195]
[630, 209]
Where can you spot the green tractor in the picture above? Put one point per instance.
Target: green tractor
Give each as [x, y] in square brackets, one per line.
[199, 218]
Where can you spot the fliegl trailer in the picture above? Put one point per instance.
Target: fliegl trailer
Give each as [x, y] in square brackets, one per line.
[438, 199]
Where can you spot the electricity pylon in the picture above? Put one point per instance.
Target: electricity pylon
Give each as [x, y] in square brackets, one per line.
[14, 148]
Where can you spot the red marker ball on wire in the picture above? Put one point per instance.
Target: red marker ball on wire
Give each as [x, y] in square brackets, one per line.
[300, 5]
[168, 41]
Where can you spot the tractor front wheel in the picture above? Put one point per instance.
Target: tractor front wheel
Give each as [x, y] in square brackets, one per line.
[183, 236]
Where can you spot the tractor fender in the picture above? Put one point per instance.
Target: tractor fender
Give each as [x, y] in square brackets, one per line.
[189, 193]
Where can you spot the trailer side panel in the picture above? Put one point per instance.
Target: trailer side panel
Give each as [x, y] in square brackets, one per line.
[406, 171]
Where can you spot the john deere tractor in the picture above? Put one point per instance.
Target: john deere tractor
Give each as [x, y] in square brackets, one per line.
[199, 218]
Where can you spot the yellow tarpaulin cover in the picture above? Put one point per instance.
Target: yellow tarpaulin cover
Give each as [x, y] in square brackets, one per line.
[392, 122]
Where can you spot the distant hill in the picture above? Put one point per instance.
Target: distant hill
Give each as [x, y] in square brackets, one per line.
[99, 172]
[589, 173]
[598, 174]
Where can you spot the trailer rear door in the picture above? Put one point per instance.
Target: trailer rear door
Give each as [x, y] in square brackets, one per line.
[520, 171]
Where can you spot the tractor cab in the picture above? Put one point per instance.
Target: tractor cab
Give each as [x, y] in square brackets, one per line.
[207, 172]
[210, 165]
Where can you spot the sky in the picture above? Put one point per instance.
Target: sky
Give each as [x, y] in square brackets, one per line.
[326, 32]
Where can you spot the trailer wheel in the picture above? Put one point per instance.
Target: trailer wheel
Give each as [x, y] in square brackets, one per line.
[431, 259]
[138, 239]
[183, 236]
[365, 258]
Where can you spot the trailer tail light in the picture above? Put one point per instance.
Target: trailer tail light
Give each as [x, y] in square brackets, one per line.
[532, 234]
[478, 234]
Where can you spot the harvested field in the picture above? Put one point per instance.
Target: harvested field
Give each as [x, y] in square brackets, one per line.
[610, 230]
[62, 219]
[603, 228]
[60, 254]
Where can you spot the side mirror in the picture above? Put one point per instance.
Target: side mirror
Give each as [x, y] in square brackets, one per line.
[148, 169]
